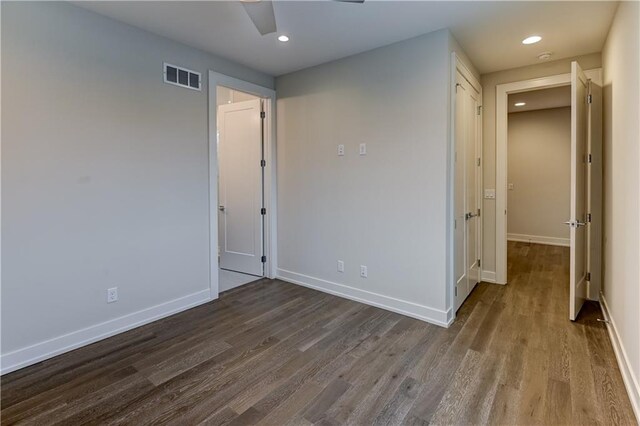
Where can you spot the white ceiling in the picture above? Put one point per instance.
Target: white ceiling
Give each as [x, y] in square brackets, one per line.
[555, 97]
[321, 31]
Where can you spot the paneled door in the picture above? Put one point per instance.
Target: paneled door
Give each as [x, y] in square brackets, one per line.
[579, 191]
[467, 178]
[240, 198]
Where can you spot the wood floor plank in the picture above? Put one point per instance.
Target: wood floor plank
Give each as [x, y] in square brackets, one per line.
[272, 353]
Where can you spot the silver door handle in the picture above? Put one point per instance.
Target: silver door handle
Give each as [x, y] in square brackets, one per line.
[468, 216]
[575, 223]
[221, 208]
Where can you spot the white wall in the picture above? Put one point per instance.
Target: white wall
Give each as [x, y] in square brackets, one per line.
[621, 58]
[489, 83]
[539, 159]
[104, 178]
[386, 210]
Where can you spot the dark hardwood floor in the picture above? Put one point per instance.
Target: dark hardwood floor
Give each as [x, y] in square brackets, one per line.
[275, 354]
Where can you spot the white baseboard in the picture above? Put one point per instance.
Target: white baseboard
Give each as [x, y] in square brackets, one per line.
[24, 357]
[538, 239]
[488, 276]
[628, 376]
[410, 309]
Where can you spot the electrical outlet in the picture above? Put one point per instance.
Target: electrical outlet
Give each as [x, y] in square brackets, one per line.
[363, 271]
[340, 150]
[112, 295]
[340, 266]
[363, 149]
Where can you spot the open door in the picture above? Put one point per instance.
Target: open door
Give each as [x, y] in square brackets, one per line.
[579, 191]
[240, 219]
[594, 212]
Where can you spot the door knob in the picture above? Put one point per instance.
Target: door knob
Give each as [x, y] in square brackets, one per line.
[469, 215]
[221, 208]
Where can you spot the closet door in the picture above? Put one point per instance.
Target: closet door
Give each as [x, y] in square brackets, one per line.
[466, 202]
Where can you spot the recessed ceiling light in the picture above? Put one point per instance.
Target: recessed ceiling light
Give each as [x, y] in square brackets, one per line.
[283, 38]
[531, 39]
[519, 104]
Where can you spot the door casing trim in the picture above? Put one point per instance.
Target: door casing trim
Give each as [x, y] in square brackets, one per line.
[502, 97]
[270, 183]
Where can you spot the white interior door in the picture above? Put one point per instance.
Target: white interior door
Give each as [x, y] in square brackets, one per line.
[466, 205]
[579, 191]
[472, 172]
[240, 187]
[594, 222]
[460, 261]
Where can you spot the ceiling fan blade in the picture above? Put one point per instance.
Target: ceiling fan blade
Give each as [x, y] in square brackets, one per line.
[261, 13]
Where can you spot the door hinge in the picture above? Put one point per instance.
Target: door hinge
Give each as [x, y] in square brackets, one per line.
[263, 114]
[479, 263]
[589, 99]
[589, 158]
[478, 162]
[457, 84]
[263, 259]
[588, 276]
[478, 212]
[589, 217]
[479, 109]
[263, 163]
[263, 211]
[455, 224]
[456, 291]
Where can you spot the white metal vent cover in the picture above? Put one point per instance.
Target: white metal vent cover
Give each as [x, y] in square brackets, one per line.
[182, 77]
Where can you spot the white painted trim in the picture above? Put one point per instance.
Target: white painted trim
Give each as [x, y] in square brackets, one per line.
[488, 276]
[628, 376]
[538, 239]
[502, 94]
[410, 309]
[270, 185]
[49, 348]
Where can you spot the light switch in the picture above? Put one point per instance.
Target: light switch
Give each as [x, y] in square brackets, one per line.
[363, 149]
[490, 194]
[341, 150]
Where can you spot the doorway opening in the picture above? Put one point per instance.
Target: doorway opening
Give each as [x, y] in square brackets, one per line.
[241, 182]
[539, 185]
[531, 180]
[241, 207]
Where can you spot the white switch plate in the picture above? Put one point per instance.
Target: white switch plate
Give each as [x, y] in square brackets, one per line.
[340, 266]
[490, 194]
[363, 271]
[363, 149]
[341, 150]
[112, 295]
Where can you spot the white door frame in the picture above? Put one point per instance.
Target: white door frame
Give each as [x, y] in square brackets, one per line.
[502, 99]
[458, 65]
[270, 231]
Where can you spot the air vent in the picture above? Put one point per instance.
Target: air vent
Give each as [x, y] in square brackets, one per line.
[181, 77]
